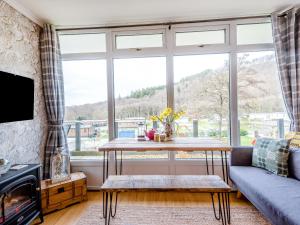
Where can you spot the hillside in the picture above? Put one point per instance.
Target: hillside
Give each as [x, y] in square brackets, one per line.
[202, 95]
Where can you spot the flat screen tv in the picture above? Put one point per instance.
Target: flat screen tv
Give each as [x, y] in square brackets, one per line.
[16, 98]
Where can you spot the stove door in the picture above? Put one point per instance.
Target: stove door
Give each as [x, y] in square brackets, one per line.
[18, 196]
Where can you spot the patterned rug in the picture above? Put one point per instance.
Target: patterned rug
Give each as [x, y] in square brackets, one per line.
[152, 215]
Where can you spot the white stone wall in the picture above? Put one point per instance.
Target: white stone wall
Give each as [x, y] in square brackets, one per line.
[22, 142]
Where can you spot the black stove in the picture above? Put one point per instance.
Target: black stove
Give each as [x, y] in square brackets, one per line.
[20, 196]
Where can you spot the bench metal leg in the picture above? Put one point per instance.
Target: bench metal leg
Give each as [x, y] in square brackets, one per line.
[223, 212]
[108, 208]
[218, 217]
[118, 171]
[224, 208]
[107, 198]
[105, 167]
[228, 208]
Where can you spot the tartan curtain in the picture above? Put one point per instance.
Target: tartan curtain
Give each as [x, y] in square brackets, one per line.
[53, 87]
[286, 32]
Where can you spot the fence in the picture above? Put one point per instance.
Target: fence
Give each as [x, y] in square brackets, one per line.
[94, 132]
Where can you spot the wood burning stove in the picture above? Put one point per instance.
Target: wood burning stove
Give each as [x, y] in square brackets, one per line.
[20, 197]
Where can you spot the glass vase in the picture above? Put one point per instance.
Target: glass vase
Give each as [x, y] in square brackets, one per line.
[60, 166]
[169, 131]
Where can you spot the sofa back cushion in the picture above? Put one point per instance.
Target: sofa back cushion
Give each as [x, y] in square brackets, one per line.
[294, 163]
[272, 155]
[294, 139]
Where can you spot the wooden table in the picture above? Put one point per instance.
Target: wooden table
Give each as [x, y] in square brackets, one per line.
[178, 144]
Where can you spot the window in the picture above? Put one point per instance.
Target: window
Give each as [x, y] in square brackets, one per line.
[201, 89]
[82, 43]
[260, 104]
[139, 41]
[260, 33]
[140, 91]
[201, 84]
[200, 37]
[86, 107]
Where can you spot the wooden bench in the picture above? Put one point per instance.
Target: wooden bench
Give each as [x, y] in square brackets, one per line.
[178, 183]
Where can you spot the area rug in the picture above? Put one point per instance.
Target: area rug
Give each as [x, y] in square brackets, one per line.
[152, 215]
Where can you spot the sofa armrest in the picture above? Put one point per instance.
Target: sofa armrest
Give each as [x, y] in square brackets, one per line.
[241, 156]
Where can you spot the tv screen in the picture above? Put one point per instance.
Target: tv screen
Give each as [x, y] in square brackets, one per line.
[16, 98]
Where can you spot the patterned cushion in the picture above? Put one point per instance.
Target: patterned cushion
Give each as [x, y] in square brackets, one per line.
[295, 139]
[272, 155]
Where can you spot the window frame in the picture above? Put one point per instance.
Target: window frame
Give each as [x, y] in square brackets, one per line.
[169, 50]
[252, 23]
[141, 51]
[86, 55]
[201, 28]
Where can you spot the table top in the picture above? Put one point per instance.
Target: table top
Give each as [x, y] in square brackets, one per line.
[178, 183]
[178, 144]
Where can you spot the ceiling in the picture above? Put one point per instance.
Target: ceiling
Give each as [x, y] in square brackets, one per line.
[67, 13]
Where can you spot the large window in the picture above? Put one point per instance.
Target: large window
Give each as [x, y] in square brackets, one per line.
[260, 104]
[201, 89]
[86, 107]
[222, 74]
[140, 91]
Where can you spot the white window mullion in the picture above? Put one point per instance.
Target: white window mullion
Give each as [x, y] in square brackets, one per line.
[234, 127]
[110, 87]
[170, 85]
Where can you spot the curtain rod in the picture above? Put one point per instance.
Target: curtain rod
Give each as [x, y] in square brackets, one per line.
[162, 24]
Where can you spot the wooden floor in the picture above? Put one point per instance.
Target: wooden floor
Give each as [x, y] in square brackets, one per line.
[70, 215]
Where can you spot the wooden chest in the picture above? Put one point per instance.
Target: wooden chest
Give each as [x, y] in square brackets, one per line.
[60, 195]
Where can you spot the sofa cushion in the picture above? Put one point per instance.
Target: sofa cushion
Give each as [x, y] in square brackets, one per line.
[272, 155]
[278, 198]
[294, 163]
[295, 139]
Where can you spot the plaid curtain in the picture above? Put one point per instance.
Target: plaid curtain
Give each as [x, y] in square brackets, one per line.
[286, 32]
[53, 87]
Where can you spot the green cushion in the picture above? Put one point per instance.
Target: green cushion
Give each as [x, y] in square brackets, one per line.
[272, 155]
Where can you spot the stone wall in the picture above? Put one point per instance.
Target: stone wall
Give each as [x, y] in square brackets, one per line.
[22, 142]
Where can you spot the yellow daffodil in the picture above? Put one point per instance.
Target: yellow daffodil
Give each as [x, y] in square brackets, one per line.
[168, 116]
[153, 118]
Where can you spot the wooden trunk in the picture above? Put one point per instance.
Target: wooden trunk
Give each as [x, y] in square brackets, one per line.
[60, 195]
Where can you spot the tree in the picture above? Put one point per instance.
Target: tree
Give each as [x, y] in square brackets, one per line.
[217, 92]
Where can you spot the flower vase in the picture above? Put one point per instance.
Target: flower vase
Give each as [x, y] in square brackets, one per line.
[169, 131]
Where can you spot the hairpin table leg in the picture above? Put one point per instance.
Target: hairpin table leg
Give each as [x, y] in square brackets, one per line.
[113, 212]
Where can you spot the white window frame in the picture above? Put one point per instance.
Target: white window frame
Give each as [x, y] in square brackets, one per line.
[86, 55]
[199, 28]
[169, 50]
[138, 52]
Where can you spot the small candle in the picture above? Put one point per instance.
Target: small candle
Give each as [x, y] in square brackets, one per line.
[156, 137]
[162, 137]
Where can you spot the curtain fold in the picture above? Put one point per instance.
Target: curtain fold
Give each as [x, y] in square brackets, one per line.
[53, 87]
[286, 32]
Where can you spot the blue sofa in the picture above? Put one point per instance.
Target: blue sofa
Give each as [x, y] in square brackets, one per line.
[277, 198]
